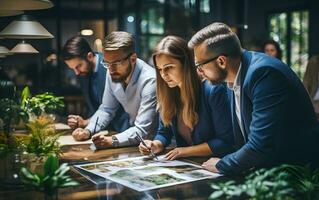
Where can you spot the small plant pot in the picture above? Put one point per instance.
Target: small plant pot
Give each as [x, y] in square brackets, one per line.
[34, 162]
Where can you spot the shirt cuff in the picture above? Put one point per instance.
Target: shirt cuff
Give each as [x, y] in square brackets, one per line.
[90, 127]
[162, 139]
[126, 139]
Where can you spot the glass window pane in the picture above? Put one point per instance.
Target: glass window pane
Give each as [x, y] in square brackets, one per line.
[204, 6]
[299, 42]
[278, 32]
[153, 20]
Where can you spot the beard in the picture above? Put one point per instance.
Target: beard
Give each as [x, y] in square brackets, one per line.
[88, 69]
[117, 78]
[220, 76]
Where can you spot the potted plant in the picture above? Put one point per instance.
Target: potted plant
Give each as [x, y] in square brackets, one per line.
[10, 113]
[52, 178]
[40, 142]
[285, 182]
[41, 104]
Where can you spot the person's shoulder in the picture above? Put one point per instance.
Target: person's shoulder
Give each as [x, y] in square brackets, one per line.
[211, 89]
[147, 71]
[260, 63]
[261, 60]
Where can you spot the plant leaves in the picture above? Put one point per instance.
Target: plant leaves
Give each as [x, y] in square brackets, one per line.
[51, 165]
[216, 194]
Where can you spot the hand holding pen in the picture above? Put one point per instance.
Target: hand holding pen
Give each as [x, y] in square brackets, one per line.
[146, 147]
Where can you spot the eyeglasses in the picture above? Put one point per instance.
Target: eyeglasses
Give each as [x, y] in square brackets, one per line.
[107, 65]
[200, 65]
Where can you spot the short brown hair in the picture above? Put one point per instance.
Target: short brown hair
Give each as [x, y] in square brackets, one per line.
[119, 40]
[219, 39]
[76, 47]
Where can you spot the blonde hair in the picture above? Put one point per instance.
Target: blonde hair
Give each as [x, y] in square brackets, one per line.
[311, 77]
[174, 101]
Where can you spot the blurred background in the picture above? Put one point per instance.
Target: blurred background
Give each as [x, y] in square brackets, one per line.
[291, 23]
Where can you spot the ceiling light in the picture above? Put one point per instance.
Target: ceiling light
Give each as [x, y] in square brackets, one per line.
[25, 4]
[87, 32]
[25, 28]
[4, 50]
[6, 13]
[23, 48]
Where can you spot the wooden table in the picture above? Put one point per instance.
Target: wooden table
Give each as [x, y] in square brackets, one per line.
[108, 189]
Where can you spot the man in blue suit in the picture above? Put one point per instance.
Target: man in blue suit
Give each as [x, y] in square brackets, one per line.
[272, 115]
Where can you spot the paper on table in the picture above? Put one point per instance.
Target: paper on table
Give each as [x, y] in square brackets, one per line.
[61, 126]
[66, 140]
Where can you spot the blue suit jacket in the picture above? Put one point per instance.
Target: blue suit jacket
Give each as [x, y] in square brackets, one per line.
[93, 102]
[277, 117]
[213, 127]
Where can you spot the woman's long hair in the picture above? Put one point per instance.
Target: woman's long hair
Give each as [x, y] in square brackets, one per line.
[178, 101]
[311, 77]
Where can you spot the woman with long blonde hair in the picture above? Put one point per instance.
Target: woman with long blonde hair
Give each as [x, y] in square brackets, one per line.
[196, 113]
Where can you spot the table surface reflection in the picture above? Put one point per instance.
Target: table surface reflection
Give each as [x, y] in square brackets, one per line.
[107, 189]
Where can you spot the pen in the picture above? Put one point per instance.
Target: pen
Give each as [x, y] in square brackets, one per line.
[97, 119]
[141, 140]
[92, 146]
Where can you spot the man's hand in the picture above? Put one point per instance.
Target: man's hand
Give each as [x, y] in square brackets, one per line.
[101, 141]
[81, 134]
[210, 164]
[175, 153]
[76, 121]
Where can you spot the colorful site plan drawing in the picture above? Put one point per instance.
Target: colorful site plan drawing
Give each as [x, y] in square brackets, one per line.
[145, 173]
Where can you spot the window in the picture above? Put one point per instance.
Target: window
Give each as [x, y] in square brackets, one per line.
[290, 30]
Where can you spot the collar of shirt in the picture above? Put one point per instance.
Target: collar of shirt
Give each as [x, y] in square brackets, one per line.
[136, 72]
[236, 84]
[97, 62]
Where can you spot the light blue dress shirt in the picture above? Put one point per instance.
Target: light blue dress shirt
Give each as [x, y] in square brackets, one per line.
[138, 101]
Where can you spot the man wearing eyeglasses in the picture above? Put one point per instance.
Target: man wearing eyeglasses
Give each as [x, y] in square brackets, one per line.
[130, 83]
[88, 67]
[273, 119]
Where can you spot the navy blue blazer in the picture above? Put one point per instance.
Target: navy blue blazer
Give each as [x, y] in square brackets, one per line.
[278, 119]
[93, 102]
[214, 123]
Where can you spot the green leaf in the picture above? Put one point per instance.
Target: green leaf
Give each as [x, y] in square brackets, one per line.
[70, 184]
[25, 95]
[26, 173]
[216, 195]
[51, 165]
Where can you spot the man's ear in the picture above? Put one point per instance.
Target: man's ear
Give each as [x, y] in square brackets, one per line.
[133, 58]
[222, 61]
[90, 56]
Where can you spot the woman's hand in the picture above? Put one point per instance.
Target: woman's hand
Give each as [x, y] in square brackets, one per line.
[176, 153]
[156, 146]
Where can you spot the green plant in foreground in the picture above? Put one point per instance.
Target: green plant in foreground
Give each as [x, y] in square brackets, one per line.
[279, 183]
[41, 103]
[54, 177]
[10, 112]
[42, 139]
